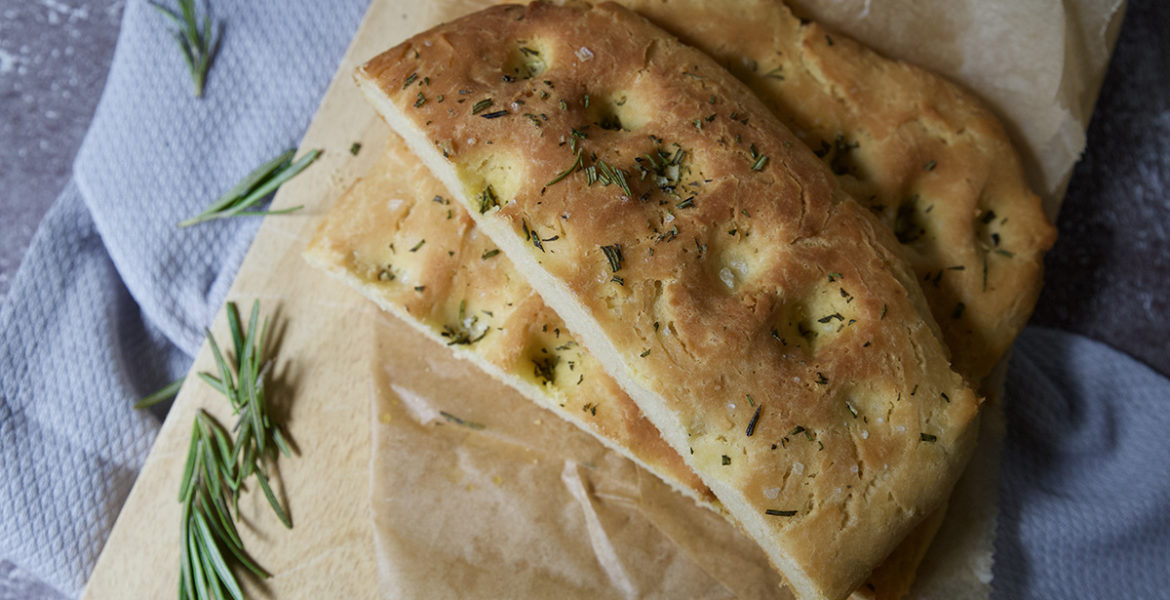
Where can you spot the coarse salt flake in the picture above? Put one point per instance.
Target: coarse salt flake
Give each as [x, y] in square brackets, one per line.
[727, 277]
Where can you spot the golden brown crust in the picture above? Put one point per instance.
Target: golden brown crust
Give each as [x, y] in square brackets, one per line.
[768, 282]
[397, 237]
[924, 155]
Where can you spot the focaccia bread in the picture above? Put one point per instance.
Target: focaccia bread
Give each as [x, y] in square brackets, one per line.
[918, 115]
[927, 157]
[754, 312]
[397, 237]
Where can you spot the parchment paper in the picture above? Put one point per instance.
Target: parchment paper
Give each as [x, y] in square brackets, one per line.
[478, 492]
[527, 506]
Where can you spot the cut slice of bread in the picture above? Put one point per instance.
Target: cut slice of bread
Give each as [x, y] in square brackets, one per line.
[704, 261]
[396, 237]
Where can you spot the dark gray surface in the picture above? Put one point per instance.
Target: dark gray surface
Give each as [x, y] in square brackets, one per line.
[1108, 277]
[54, 55]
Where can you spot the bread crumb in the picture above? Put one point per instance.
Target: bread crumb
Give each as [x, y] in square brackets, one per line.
[584, 54]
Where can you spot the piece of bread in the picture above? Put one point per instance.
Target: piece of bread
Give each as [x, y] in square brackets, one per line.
[768, 282]
[927, 157]
[397, 238]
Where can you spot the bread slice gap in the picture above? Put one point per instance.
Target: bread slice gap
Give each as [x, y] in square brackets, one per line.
[693, 331]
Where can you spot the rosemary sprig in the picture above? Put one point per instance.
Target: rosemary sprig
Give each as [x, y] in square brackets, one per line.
[253, 188]
[198, 43]
[217, 466]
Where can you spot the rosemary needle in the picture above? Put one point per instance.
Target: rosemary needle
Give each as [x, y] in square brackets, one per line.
[254, 188]
[198, 44]
[169, 391]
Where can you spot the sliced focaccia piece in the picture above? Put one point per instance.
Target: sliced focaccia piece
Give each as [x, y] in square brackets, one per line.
[397, 238]
[754, 313]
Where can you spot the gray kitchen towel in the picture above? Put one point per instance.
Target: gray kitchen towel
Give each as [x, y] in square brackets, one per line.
[75, 353]
[111, 301]
[1085, 486]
